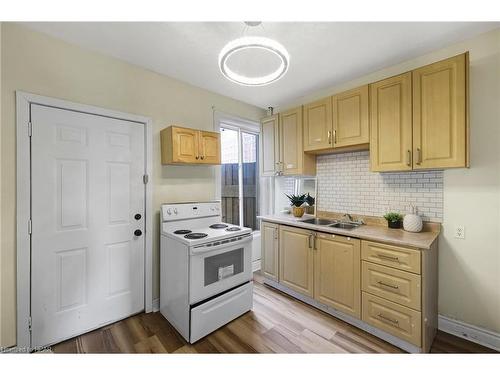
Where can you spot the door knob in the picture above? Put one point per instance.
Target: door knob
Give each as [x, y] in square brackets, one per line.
[138, 232]
[137, 216]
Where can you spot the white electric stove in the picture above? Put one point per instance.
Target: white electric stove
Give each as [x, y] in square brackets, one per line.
[206, 268]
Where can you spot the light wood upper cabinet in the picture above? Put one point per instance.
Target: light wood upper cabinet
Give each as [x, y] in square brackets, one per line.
[318, 125]
[292, 159]
[391, 124]
[270, 249]
[269, 146]
[296, 259]
[281, 149]
[209, 147]
[350, 117]
[189, 146]
[439, 114]
[337, 273]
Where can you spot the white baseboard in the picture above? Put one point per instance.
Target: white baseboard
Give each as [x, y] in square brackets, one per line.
[156, 305]
[469, 332]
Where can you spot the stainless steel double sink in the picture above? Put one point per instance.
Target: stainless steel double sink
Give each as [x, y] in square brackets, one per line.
[331, 223]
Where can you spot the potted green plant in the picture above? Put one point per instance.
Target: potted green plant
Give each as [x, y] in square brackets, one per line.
[394, 219]
[310, 204]
[296, 201]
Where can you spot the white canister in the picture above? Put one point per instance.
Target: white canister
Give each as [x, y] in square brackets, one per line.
[412, 222]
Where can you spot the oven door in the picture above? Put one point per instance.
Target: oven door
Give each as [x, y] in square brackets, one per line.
[215, 268]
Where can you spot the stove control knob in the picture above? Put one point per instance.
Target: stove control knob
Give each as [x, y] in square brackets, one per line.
[212, 209]
[169, 211]
[175, 211]
[217, 208]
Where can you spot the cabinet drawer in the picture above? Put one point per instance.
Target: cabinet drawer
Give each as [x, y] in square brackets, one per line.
[397, 286]
[393, 256]
[392, 318]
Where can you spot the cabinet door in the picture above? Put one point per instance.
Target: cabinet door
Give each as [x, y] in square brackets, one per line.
[291, 154]
[269, 146]
[350, 118]
[270, 250]
[296, 259]
[209, 144]
[337, 273]
[318, 125]
[391, 124]
[185, 147]
[439, 114]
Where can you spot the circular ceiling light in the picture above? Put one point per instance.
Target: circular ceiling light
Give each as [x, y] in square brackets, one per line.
[254, 42]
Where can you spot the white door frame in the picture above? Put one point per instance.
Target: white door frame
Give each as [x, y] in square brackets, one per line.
[23, 200]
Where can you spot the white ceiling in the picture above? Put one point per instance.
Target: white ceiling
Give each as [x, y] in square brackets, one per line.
[322, 54]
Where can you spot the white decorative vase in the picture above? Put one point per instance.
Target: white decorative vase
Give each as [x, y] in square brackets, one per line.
[412, 222]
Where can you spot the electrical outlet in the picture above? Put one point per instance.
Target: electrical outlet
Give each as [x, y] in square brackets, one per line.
[460, 232]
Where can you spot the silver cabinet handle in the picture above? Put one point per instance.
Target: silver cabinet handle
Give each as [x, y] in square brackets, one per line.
[314, 242]
[393, 321]
[388, 285]
[309, 240]
[419, 156]
[388, 257]
[408, 158]
[329, 137]
[275, 233]
[334, 136]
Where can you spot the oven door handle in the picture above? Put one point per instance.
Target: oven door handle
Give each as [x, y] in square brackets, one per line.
[202, 249]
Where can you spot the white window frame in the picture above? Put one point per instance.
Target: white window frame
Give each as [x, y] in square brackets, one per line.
[23, 200]
[227, 121]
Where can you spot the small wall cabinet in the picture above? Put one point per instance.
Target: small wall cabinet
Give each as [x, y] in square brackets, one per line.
[189, 146]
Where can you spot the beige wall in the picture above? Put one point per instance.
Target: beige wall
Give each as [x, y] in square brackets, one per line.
[42, 65]
[469, 270]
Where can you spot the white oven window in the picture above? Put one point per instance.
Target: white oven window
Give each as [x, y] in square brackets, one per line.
[222, 266]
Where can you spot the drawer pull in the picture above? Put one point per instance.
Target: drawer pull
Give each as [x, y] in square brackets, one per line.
[393, 321]
[388, 285]
[388, 257]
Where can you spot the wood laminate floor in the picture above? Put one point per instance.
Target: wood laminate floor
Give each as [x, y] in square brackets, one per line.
[277, 324]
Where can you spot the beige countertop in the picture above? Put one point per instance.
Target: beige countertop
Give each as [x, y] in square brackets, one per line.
[422, 240]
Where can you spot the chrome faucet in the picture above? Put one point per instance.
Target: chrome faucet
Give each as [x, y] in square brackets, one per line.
[350, 219]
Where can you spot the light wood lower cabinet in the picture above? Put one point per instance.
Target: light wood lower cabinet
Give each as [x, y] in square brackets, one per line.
[398, 286]
[296, 259]
[392, 288]
[395, 319]
[336, 273]
[270, 249]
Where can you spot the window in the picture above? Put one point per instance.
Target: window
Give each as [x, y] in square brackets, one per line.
[239, 182]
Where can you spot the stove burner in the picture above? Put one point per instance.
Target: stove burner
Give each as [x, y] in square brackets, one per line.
[195, 236]
[182, 231]
[218, 226]
[233, 229]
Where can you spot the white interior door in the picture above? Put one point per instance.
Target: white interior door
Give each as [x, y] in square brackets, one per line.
[87, 267]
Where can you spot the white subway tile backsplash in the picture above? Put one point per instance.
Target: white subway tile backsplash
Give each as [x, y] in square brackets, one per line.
[345, 184]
